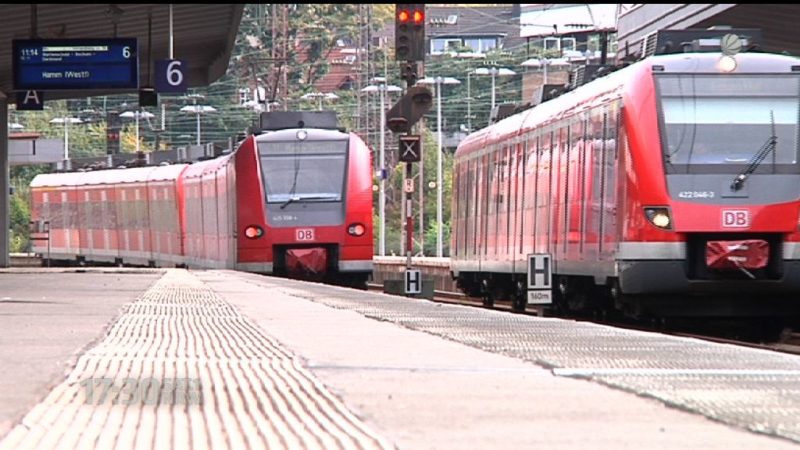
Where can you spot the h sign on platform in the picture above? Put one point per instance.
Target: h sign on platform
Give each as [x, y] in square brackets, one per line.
[540, 277]
[413, 282]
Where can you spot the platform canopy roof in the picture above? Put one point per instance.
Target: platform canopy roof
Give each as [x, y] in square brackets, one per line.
[203, 35]
[777, 22]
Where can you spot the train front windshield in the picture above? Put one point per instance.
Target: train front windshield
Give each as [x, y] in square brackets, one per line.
[303, 171]
[714, 123]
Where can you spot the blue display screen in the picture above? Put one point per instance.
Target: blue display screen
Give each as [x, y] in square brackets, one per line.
[65, 64]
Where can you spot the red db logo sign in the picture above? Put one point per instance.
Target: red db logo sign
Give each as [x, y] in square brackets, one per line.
[735, 218]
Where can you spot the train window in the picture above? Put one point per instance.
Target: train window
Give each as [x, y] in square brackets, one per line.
[701, 134]
[312, 170]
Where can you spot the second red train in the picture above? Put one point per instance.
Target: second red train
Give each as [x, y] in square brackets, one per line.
[293, 200]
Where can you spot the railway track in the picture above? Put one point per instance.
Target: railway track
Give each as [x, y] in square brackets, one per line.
[787, 342]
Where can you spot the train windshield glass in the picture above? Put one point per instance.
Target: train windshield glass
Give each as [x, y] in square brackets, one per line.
[303, 171]
[718, 123]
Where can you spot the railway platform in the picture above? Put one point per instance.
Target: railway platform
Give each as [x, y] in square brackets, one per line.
[150, 358]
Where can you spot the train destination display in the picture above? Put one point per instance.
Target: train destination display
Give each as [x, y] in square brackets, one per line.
[66, 64]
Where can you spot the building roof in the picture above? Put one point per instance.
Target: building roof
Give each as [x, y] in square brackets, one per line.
[343, 70]
[551, 19]
[475, 20]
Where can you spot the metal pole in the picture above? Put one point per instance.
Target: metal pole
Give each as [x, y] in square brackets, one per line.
[493, 74]
[469, 104]
[170, 32]
[137, 131]
[544, 64]
[382, 163]
[439, 167]
[409, 220]
[198, 124]
[5, 199]
[66, 144]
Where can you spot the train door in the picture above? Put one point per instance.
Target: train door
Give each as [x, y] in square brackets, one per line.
[531, 194]
[576, 189]
[490, 235]
[232, 213]
[597, 157]
[84, 210]
[521, 183]
[610, 233]
[503, 182]
[557, 189]
[545, 193]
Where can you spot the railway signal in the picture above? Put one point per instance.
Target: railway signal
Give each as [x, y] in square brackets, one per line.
[410, 148]
[408, 72]
[409, 109]
[409, 32]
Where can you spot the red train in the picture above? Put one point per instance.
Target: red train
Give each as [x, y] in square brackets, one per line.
[668, 187]
[294, 200]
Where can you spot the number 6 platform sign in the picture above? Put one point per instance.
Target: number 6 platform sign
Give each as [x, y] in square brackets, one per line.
[170, 75]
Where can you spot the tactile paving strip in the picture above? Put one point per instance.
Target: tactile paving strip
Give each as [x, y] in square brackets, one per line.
[181, 368]
[753, 389]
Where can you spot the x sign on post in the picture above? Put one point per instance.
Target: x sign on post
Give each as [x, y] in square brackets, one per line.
[410, 148]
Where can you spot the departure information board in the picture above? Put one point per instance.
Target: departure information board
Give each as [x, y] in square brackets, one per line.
[67, 64]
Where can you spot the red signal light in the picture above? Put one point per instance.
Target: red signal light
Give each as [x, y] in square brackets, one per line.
[419, 17]
[403, 16]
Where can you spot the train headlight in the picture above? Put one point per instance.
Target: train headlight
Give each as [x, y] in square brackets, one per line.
[253, 232]
[302, 135]
[356, 229]
[659, 216]
[726, 63]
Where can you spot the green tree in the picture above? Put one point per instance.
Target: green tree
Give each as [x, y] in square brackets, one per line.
[20, 216]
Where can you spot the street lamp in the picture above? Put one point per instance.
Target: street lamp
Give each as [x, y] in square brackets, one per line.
[136, 115]
[319, 96]
[494, 72]
[382, 87]
[198, 109]
[439, 81]
[66, 121]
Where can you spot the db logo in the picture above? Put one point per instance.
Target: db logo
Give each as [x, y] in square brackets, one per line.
[735, 218]
[305, 234]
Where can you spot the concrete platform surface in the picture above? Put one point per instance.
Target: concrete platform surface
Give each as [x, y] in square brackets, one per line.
[221, 359]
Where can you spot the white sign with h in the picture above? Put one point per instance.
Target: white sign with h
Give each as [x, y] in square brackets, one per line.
[540, 278]
[413, 281]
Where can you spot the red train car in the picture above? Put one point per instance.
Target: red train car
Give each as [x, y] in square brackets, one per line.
[295, 200]
[668, 187]
[306, 205]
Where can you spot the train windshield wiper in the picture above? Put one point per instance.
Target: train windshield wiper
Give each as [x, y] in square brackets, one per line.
[755, 161]
[307, 198]
[290, 200]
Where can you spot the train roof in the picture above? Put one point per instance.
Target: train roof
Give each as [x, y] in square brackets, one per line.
[613, 85]
[56, 179]
[313, 134]
[110, 176]
[206, 167]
